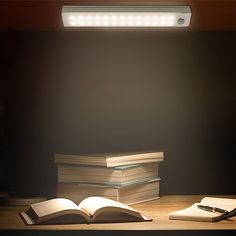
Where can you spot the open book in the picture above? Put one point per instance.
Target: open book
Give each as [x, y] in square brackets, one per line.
[90, 210]
[205, 210]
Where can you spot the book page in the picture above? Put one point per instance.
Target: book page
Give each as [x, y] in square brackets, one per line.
[93, 204]
[224, 203]
[52, 206]
[193, 213]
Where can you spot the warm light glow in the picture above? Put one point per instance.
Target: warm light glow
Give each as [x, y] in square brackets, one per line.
[126, 16]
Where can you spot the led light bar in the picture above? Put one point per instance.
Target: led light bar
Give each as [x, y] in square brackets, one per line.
[112, 16]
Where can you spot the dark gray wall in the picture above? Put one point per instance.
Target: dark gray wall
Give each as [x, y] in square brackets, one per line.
[114, 91]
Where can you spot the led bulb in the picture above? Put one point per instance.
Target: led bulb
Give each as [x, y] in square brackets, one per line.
[126, 16]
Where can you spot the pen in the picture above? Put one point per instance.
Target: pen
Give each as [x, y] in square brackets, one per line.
[212, 209]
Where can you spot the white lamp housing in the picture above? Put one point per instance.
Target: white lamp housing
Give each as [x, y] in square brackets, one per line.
[127, 16]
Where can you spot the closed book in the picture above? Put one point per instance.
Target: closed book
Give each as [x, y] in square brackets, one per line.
[130, 193]
[111, 160]
[120, 175]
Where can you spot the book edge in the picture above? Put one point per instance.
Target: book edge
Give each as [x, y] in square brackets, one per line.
[108, 157]
[26, 219]
[142, 201]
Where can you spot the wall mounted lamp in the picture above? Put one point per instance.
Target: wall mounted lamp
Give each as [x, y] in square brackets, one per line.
[126, 16]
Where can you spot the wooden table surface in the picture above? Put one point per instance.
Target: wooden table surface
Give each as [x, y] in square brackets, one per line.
[157, 209]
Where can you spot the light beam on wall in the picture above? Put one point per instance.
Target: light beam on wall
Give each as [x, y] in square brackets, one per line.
[127, 16]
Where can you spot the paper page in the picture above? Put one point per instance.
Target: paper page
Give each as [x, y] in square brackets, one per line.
[224, 203]
[193, 213]
[51, 206]
[92, 204]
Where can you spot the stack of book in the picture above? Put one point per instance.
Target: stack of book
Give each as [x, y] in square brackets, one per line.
[128, 178]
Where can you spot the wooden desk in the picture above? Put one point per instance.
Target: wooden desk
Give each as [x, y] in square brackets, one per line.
[11, 223]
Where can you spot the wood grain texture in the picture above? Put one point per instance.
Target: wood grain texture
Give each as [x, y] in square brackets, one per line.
[157, 209]
[46, 14]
